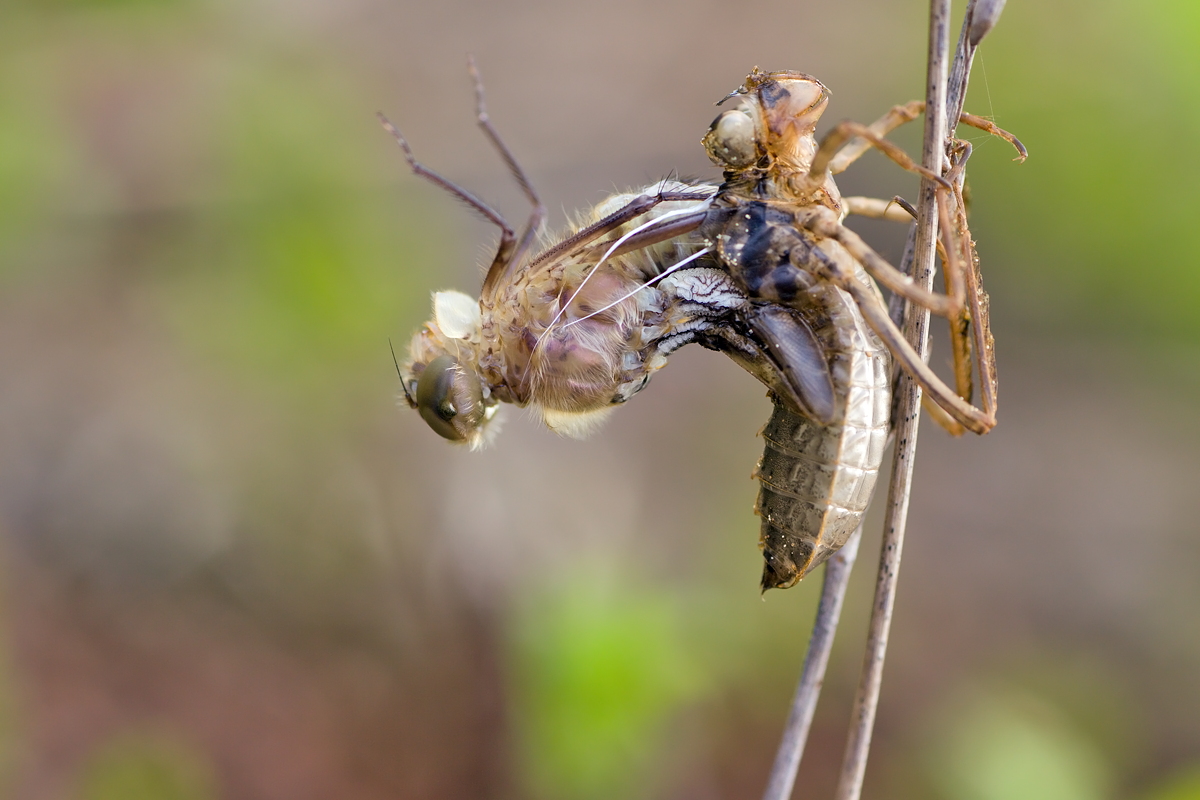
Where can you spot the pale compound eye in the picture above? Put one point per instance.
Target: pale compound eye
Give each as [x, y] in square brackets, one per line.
[731, 140]
[433, 397]
[450, 400]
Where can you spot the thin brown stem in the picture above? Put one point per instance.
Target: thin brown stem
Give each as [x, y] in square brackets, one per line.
[808, 690]
[979, 20]
[908, 415]
[943, 89]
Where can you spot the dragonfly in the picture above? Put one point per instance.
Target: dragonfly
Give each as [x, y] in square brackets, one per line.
[758, 267]
[577, 327]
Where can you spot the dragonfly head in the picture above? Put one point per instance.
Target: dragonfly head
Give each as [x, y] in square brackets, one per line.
[733, 139]
[774, 117]
[442, 379]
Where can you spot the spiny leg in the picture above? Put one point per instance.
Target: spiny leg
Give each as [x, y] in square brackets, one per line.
[978, 307]
[953, 269]
[987, 126]
[537, 215]
[981, 327]
[953, 255]
[963, 280]
[844, 132]
[507, 243]
[896, 309]
[823, 222]
[903, 114]
[944, 421]
[894, 118]
[959, 260]
[877, 318]
[960, 343]
[895, 210]
[953, 252]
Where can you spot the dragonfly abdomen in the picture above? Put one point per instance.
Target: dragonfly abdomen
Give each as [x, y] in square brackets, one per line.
[817, 480]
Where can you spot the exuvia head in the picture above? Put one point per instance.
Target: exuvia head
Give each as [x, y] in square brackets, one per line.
[442, 380]
[733, 140]
[774, 117]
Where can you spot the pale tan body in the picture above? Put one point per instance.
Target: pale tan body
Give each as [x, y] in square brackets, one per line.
[572, 340]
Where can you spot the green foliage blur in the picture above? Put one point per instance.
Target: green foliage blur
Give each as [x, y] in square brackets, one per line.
[269, 247]
[1183, 786]
[1096, 234]
[599, 669]
[1004, 747]
[146, 767]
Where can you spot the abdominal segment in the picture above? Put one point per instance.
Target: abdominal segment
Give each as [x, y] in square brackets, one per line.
[817, 480]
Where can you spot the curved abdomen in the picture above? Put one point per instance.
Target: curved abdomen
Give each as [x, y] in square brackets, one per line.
[817, 480]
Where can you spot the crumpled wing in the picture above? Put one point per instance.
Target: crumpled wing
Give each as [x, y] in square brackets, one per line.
[791, 347]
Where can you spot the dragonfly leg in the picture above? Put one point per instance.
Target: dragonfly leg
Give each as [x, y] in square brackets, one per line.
[894, 118]
[823, 222]
[504, 249]
[876, 316]
[895, 210]
[537, 215]
[903, 114]
[972, 332]
[844, 132]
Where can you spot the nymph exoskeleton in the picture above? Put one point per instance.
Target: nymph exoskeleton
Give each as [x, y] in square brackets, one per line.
[767, 147]
[776, 225]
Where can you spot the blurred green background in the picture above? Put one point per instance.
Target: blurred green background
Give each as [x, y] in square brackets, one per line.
[233, 568]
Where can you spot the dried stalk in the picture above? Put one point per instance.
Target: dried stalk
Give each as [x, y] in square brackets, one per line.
[804, 702]
[979, 20]
[944, 100]
[946, 88]
[916, 330]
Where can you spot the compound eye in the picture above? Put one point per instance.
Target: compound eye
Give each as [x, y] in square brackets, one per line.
[450, 400]
[731, 140]
[435, 400]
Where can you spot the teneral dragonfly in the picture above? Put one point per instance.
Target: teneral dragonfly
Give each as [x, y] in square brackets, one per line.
[579, 327]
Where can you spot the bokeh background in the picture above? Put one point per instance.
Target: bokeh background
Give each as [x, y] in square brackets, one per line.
[233, 568]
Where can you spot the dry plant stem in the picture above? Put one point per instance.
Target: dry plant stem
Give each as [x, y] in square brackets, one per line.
[908, 415]
[804, 702]
[979, 20]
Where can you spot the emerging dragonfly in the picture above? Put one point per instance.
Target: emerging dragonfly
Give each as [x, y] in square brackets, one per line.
[759, 267]
[578, 328]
